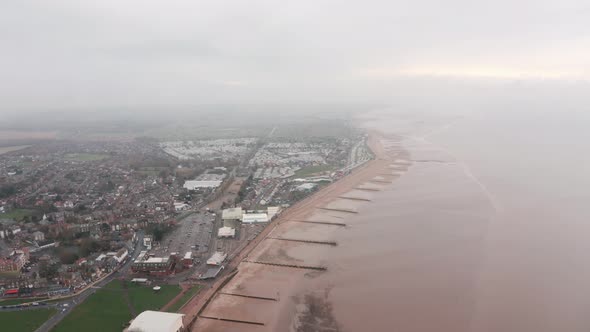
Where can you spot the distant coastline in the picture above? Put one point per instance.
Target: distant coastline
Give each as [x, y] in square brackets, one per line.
[7, 149]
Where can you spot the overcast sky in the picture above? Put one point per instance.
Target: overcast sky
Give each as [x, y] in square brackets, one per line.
[81, 53]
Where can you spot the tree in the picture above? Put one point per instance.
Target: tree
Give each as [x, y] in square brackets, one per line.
[48, 271]
[88, 246]
[6, 191]
[105, 228]
[67, 257]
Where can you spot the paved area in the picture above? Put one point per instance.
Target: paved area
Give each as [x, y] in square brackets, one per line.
[192, 234]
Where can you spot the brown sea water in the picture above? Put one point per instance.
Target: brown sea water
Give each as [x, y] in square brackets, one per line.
[484, 227]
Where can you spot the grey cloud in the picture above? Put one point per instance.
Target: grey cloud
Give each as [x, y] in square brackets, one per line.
[67, 53]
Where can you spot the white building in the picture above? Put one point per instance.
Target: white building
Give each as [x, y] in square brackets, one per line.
[156, 321]
[121, 255]
[248, 218]
[197, 184]
[39, 236]
[306, 187]
[180, 206]
[232, 214]
[217, 258]
[226, 232]
[147, 242]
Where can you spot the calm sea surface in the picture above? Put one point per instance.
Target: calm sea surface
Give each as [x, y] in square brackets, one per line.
[488, 230]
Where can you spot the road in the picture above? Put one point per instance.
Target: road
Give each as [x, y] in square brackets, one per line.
[66, 306]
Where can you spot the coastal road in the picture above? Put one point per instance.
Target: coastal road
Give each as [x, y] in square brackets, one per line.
[66, 306]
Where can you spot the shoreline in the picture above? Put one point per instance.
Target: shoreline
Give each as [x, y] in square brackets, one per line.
[301, 210]
[13, 148]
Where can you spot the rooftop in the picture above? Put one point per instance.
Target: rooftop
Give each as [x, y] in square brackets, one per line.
[156, 321]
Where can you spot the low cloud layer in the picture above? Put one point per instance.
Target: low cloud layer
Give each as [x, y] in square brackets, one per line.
[144, 52]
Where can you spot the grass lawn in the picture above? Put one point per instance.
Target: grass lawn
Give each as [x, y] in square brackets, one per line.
[108, 308]
[25, 320]
[144, 298]
[151, 171]
[86, 156]
[311, 170]
[184, 299]
[17, 214]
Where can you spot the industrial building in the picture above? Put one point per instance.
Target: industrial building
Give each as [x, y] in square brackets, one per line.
[157, 321]
[204, 181]
[195, 184]
[232, 214]
[248, 218]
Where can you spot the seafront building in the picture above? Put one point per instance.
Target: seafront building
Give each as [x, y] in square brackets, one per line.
[156, 321]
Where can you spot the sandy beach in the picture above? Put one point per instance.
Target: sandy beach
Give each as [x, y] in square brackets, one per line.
[264, 297]
[434, 234]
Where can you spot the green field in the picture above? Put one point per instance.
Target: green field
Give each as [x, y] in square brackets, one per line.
[109, 309]
[86, 156]
[17, 214]
[151, 171]
[184, 299]
[143, 298]
[25, 320]
[312, 170]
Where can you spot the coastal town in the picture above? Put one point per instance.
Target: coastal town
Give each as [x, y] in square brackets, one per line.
[74, 216]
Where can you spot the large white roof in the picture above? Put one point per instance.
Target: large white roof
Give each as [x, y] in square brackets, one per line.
[233, 213]
[193, 184]
[226, 232]
[254, 217]
[156, 321]
[217, 258]
[156, 260]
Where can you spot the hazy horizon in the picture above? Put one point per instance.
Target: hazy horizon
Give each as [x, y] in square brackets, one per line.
[109, 54]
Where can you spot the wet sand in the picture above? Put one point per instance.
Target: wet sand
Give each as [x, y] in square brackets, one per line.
[496, 240]
[303, 300]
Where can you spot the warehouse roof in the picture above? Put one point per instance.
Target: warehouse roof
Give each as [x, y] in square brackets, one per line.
[193, 184]
[254, 217]
[156, 321]
[233, 213]
[217, 258]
